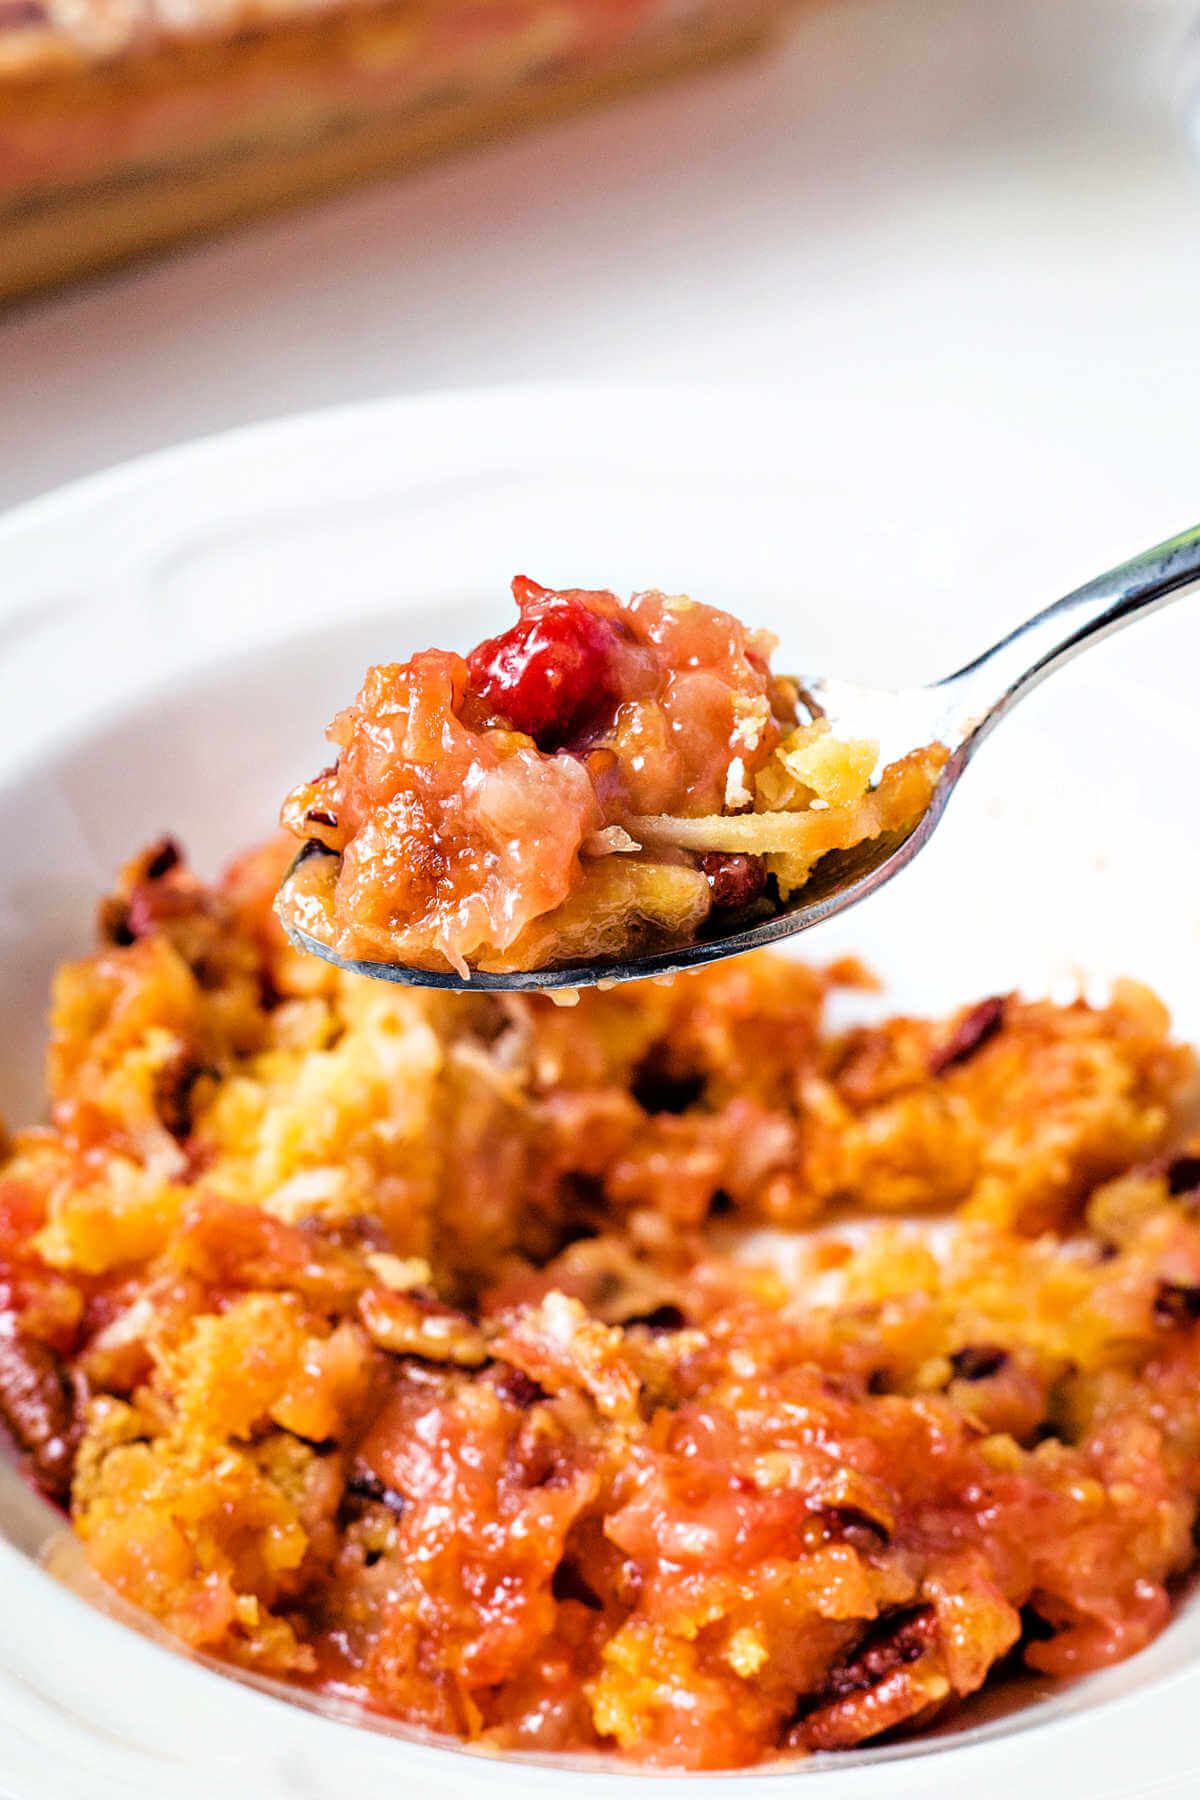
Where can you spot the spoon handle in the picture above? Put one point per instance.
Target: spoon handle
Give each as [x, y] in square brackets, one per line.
[985, 690]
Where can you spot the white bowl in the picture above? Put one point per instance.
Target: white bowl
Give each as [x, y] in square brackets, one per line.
[174, 635]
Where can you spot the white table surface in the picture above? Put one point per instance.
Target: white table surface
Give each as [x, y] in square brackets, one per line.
[995, 195]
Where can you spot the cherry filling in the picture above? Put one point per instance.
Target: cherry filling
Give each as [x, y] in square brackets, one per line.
[554, 672]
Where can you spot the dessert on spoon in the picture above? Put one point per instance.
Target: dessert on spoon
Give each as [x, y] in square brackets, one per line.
[608, 791]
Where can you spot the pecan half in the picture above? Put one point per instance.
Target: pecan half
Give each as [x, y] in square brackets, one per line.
[37, 1404]
[734, 880]
[970, 1035]
[894, 1641]
[894, 1678]
[414, 1325]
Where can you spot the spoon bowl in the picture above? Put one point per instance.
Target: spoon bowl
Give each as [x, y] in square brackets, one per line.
[959, 712]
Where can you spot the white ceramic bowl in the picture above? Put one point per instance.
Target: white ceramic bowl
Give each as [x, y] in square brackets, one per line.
[173, 637]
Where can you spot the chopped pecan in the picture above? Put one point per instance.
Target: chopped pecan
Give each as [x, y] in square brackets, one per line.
[37, 1404]
[355, 1231]
[847, 1525]
[538, 1456]
[363, 1485]
[415, 1325]
[893, 1679]
[612, 1281]
[902, 1697]
[657, 1088]
[156, 890]
[569, 1584]
[562, 1348]
[902, 1638]
[850, 1498]
[1177, 1303]
[173, 1087]
[970, 1035]
[667, 1317]
[160, 859]
[515, 1386]
[113, 921]
[1183, 1175]
[975, 1362]
[734, 880]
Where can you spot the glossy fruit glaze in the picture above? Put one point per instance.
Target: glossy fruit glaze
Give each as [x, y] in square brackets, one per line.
[390, 1343]
[497, 810]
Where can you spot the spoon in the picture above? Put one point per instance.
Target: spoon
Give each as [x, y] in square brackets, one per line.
[959, 712]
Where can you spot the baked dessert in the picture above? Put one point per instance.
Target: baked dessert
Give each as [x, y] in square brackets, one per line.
[394, 1343]
[126, 125]
[601, 778]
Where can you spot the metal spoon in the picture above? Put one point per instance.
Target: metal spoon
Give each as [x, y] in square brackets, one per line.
[958, 711]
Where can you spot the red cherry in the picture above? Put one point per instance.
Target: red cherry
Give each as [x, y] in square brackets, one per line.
[553, 672]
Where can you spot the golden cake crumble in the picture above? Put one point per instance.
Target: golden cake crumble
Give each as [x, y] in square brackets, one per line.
[396, 1343]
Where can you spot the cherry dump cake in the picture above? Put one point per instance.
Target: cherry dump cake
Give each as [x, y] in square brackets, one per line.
[399, 1344]
[599, 779]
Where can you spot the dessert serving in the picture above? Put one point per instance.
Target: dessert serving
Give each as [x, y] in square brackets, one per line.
[601, 778]
[403, 1345]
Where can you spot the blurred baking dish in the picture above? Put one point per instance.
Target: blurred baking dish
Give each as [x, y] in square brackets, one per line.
[126, 125]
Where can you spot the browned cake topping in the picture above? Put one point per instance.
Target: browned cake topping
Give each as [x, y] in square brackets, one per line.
[386, 1342]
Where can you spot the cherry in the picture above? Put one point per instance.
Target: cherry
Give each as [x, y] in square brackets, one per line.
[554, 671]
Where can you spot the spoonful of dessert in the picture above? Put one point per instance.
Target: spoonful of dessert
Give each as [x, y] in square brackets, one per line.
[609, 791]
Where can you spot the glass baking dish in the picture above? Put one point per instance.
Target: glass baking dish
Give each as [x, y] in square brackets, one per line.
[123, 130]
